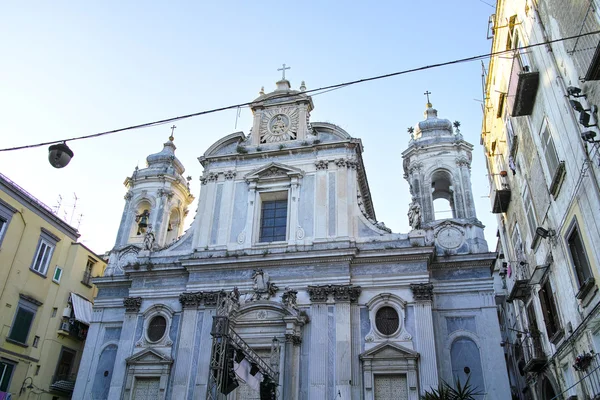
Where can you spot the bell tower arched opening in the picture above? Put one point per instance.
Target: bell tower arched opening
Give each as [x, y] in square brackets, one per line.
[442, 194]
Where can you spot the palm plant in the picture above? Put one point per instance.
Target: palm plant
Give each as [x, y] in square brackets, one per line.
[446, 392]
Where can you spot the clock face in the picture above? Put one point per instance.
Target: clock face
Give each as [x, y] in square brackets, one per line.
[279, 124]
[450, 238]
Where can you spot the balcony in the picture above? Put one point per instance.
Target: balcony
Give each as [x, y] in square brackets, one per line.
[520, 290]
[73, 328]
[522, 89]
[500, 200]
[63, 383]
[535, 359]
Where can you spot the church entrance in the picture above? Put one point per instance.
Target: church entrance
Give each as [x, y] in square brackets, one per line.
[390, 387]
[146, 389]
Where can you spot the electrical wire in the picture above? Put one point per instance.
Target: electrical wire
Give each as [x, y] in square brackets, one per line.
[317, 91]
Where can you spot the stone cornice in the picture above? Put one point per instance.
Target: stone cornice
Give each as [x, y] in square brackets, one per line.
[395, 255]
[465, 261]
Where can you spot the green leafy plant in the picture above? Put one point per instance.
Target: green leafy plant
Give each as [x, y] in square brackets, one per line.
[241, 149]
[281, 146]
[446, 392]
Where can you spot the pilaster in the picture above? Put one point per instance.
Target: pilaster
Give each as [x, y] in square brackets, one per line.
[126, 344]
[185, 347]
[423, 296]
[318, 368]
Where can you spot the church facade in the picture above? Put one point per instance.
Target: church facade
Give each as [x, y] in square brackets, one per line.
[285, 236]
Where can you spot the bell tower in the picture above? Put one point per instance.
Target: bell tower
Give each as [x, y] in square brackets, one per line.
[156, 202]
[437, 166]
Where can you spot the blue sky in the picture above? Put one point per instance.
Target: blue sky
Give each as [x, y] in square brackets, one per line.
[71, 69]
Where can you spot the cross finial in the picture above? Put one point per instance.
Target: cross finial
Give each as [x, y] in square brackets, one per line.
[282, 69]
[172, 133]
[427, 93]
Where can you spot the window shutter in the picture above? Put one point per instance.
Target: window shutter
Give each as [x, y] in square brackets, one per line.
[549, 317]
[21, 325]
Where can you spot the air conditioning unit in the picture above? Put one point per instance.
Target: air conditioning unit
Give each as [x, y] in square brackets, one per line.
[64, 326]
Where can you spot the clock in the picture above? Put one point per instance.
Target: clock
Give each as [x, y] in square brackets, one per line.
[279, 124]
[449, 237]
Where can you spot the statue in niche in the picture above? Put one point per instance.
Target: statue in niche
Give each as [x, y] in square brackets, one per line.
[149, 238]
[142, 221]
[414, 214]
[263, 287]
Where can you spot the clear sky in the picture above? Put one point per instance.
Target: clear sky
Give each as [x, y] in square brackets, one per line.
[75, 68]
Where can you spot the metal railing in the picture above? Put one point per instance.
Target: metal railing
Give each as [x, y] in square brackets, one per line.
[588, 385]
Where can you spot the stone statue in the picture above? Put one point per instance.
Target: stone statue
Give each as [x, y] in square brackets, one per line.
[149, 238]
[414, 214]
[263, 288]
[142, 221]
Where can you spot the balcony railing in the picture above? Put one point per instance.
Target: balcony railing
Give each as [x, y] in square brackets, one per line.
[521, 289]
[588, 386]
[535, 358]
[64, 383]
[87, 278]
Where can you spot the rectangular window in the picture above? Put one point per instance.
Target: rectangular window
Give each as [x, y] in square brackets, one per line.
[579, 256]
[529, 211]
[42, 257]
[36, 341]
[87, 274]
[273, 221]
[549, 150]
[65, 365]
[23, 320]
[57, 274]
[511, 32]
[6, 371]
[21, 325]
[6, 213]
[54, 311]
[517, 244]
[549, 310]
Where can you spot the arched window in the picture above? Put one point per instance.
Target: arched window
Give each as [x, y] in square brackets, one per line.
[104, 371]
[442, 194]
[466, 363]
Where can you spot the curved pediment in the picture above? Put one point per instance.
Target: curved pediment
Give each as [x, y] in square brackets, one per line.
[330, 131]
[273, 171]
[262, 311]
[227, 143]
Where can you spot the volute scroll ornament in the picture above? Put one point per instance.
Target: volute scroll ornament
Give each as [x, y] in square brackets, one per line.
[132, 304]
[422, 291]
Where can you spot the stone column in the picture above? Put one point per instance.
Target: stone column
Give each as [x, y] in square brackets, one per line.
[252, 199]
[132, 307]
[290, 367]
[423, 296]
[90, 357]
[318, 366]
[294, 226]
[185, 347]
[355, 385]
[343, 295]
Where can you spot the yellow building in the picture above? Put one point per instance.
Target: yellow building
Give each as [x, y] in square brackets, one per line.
[45, 297]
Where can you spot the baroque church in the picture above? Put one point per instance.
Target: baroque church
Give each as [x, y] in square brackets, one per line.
[286, 286]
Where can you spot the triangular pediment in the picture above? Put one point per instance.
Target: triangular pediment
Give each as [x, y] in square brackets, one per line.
[274, 171]
[389, 350]
[149, 356]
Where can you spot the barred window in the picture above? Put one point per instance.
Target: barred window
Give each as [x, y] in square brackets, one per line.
[387, 321]
[157, 328]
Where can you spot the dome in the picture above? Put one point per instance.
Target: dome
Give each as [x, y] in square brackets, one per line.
[432, 125]
[165, 158]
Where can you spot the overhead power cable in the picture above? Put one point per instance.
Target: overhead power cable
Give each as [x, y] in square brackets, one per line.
[317, 91]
